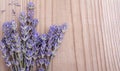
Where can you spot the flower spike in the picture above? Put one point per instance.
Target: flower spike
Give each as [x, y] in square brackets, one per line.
[24, 49]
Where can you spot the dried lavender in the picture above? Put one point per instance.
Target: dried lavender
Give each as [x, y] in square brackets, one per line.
[24, 49]
[48, 44]
[10, 44]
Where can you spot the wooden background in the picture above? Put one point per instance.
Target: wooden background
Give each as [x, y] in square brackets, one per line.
[92, 41]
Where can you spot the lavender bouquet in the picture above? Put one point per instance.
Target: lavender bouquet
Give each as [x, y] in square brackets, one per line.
[25, 48]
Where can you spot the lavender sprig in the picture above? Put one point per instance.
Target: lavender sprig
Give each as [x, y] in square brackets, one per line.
[48, 44]
[11, 42]
[26, 48]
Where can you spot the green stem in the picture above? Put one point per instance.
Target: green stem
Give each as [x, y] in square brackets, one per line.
[14, 55]
[23, 63]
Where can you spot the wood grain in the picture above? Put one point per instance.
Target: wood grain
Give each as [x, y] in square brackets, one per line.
[92, 41]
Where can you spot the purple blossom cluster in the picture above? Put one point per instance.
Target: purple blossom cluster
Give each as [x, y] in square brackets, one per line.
[25, 48]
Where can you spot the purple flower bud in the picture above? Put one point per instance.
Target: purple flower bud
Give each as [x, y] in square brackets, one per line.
[4, 52]
[34, 23]
[30, 11]
[64, 27]
[25, 31]
[30, 6]
[22, 18]
[6, 27]
[41, 53]
[29, 53]
[25, 37]
[8, 42]
[29, 62]
[48, 53]
[43, 36]
[46, 62]
[52, 29]
[27, 69]
[16, 62]
[30, 16]
[43, 44]
[2, 45]
[13, 25]
[41, 69]
[8, 63]
[35, 36]
[30, 43]
[41, 61]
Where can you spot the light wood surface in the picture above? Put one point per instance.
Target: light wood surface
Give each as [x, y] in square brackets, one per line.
[92, 41]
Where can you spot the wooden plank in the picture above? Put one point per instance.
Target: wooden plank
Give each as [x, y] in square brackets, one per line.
[100, 36]
[42, 17]
[86, 35]
[97, 66]
[65, 58]
[113, 26]
[116, 26]
[108, 20]
[78, 35]
[92, 40]
[104, 39]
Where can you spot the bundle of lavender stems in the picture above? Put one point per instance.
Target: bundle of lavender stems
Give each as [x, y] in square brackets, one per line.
[24, 48]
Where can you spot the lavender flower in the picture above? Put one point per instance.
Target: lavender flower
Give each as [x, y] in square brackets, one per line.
[25, 48]
[41, 69]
